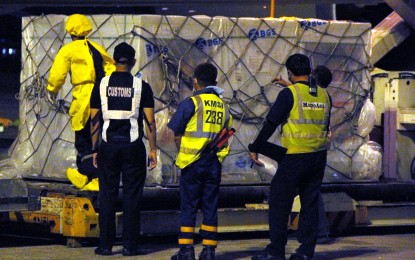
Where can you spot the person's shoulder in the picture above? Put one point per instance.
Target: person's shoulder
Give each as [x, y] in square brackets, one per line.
[287, 90]
[99, 47]
[297, 86]
[145, 84]
[68, 47]
[74, 43]
[66, 51]
[300, 84]
[146, 87]
[187, 102]
[106, 78]
[286, 94]
[73, 46]
[96, 45]
[190, 99]
[186, 106]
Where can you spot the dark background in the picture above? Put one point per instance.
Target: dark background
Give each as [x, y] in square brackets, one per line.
[400, 58]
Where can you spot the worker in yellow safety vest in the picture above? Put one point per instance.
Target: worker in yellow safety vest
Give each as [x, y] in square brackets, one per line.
[197, 121]
[86, 62]
[303, 110]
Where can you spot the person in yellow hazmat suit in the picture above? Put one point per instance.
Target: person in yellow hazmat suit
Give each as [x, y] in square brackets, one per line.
[87, 63]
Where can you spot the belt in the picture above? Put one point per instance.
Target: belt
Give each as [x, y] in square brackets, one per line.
[118, 139]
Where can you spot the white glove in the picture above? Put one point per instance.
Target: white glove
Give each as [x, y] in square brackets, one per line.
[51, 96]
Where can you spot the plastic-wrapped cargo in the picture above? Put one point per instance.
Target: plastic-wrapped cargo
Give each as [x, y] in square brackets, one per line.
[367, 118]
[249, 53]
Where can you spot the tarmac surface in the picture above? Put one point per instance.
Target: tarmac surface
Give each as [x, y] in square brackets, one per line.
[373, 245]
[25, 242]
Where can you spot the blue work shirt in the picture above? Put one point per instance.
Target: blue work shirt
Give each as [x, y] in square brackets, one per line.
[185, 111]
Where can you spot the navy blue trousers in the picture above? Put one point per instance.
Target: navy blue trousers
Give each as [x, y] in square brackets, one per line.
[303, 173]
[199, 189]
[129, 161]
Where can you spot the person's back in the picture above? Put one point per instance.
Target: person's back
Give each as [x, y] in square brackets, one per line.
[124, 101]
[210, 107]
[75, 58]
[86, 62]
[195, 124]
[303, 110]
[306, 108]
[299, 136]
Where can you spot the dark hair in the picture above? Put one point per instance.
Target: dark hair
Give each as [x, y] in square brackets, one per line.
[205, 74]
[323, 76]
[298, 64]
[73, 36]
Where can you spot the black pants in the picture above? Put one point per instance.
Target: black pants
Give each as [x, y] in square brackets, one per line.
[199, 188]
[303, 173]
[129, 161]
[83, 147]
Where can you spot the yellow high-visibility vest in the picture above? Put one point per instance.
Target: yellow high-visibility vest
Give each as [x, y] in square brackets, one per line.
[306, 127]
[210, 117]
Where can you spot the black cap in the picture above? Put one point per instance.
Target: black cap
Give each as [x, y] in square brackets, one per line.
[124, 53]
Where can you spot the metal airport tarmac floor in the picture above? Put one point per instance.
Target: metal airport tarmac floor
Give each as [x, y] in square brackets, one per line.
[231, 246]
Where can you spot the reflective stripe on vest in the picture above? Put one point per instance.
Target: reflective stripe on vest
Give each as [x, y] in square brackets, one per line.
[131, 114]
[210, 117]
[306, 127]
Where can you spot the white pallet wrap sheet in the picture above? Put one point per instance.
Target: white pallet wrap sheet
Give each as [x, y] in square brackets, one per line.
[249, 53]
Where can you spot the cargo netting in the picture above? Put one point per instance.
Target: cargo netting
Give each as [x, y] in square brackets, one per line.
[248, 52]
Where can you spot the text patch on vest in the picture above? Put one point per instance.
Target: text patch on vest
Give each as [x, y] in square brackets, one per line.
[313, 106]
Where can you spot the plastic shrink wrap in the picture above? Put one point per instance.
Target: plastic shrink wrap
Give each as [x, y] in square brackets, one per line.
[249, 53]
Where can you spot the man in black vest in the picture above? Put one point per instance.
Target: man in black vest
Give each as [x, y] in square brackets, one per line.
[124, 101]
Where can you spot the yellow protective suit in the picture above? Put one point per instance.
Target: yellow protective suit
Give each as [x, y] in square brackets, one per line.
[75, 58]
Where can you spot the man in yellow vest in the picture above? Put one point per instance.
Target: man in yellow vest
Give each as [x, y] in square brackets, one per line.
[197, 121]
[86, 62]
[303, 110]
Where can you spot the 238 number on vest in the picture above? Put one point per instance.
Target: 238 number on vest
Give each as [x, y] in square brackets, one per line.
[214, 117]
